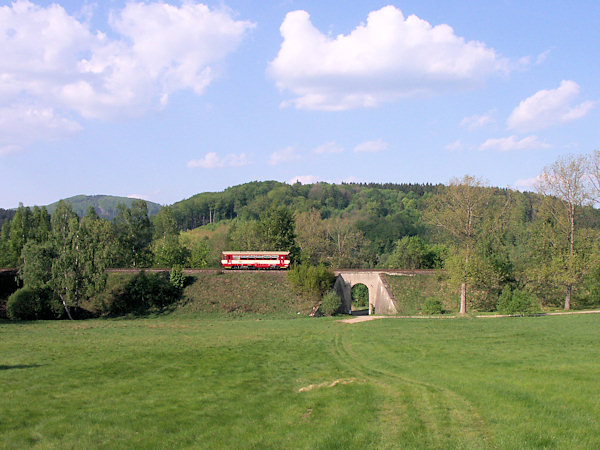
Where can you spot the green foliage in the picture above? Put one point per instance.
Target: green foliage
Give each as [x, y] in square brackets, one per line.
[313, 281]
[143, 292]
[36, 267]
[200, 254]
[83, 251]
[411, 292]
[360, 295]
[412, 252]
[517, 301]
[32, 304]
[432, 306]
[134, 234]
[169, 251]
[177, 277]
[331, 303]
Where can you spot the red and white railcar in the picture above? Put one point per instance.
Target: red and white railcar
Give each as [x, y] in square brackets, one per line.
[255, 260]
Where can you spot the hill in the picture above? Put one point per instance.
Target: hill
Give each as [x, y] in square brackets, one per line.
[105, 205]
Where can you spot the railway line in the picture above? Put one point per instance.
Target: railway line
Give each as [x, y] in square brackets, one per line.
[220, 270]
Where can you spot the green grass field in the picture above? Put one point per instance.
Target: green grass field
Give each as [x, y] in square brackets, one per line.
[175, 382]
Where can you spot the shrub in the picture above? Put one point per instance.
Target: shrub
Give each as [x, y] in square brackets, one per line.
[311, 280]
[145, 291]
[432, 306]
[516, 302]
[32, 304]
[177, 277]
[331, 303]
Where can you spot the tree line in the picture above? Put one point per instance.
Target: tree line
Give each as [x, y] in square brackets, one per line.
[496, 246]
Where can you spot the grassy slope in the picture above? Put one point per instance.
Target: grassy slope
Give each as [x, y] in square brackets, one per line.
[223, 293]
[238, 293]
[173, 382]
[412, 291]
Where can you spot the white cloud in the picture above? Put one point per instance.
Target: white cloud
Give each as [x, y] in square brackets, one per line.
[478, 121]
[328, 148]
[455, 146]
[512, 143]
[542, 57]
[22, 125]
[549, 107]
[371, 146]
[285, 155]
[388, 58]
[212, 161]
[527, 184]
[303, 179]
[52, 61]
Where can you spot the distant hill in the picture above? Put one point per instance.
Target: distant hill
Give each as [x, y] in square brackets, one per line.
[105, 205]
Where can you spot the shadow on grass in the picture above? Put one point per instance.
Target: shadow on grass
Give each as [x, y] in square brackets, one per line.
[19, 366]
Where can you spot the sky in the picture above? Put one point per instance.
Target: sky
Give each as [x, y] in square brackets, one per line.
[162, 100]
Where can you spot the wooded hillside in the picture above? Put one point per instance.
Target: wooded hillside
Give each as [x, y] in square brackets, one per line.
[498, 248]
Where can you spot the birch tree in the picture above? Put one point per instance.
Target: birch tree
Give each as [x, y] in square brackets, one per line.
[459, 212]
[566, 183]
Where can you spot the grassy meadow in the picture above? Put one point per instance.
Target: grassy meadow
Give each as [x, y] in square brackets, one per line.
[176, 382]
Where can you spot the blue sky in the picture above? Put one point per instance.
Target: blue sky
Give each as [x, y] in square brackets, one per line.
[163, 100]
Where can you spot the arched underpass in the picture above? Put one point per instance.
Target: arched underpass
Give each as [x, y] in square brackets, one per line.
[381, 299]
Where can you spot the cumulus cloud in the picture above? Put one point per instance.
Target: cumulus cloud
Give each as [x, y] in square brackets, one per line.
[478, 121]
[527, 184]
[53, 61]
[371, 146]
[388, 58]
[212, 161]
[21, 125]
[513, 143]
[549, 107]
[303, 179]
[285, 155]
[328, 148]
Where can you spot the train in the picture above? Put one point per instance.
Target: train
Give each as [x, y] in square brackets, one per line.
[255, 260]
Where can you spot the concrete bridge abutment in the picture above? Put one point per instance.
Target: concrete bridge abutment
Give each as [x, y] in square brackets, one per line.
[381, 300]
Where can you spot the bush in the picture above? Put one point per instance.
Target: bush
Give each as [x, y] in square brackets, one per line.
[32, 304]
[516, 302]
[432, 306]
[311, 280]
[177, 277]
[331, 303]
[145, 291]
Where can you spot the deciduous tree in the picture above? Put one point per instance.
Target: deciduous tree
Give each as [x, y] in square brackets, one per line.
[566, 186]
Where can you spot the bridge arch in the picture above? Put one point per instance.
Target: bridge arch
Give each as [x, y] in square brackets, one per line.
[381, 300]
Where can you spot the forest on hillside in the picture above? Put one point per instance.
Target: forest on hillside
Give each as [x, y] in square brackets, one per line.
[494, 245]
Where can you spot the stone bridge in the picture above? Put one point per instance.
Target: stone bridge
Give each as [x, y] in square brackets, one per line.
[381, 299]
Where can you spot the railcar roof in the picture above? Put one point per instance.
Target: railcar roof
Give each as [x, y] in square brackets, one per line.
[254, 252]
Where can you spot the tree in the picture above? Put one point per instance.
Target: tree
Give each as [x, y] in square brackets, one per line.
[565, 184]
[278, 228]
[134, 234]
[18, 234]
[200, 254]
[312, 237]
[412, 252]
[459, 211]
[169, 251]
[345, 241]
[83, 250]
[66, 267]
